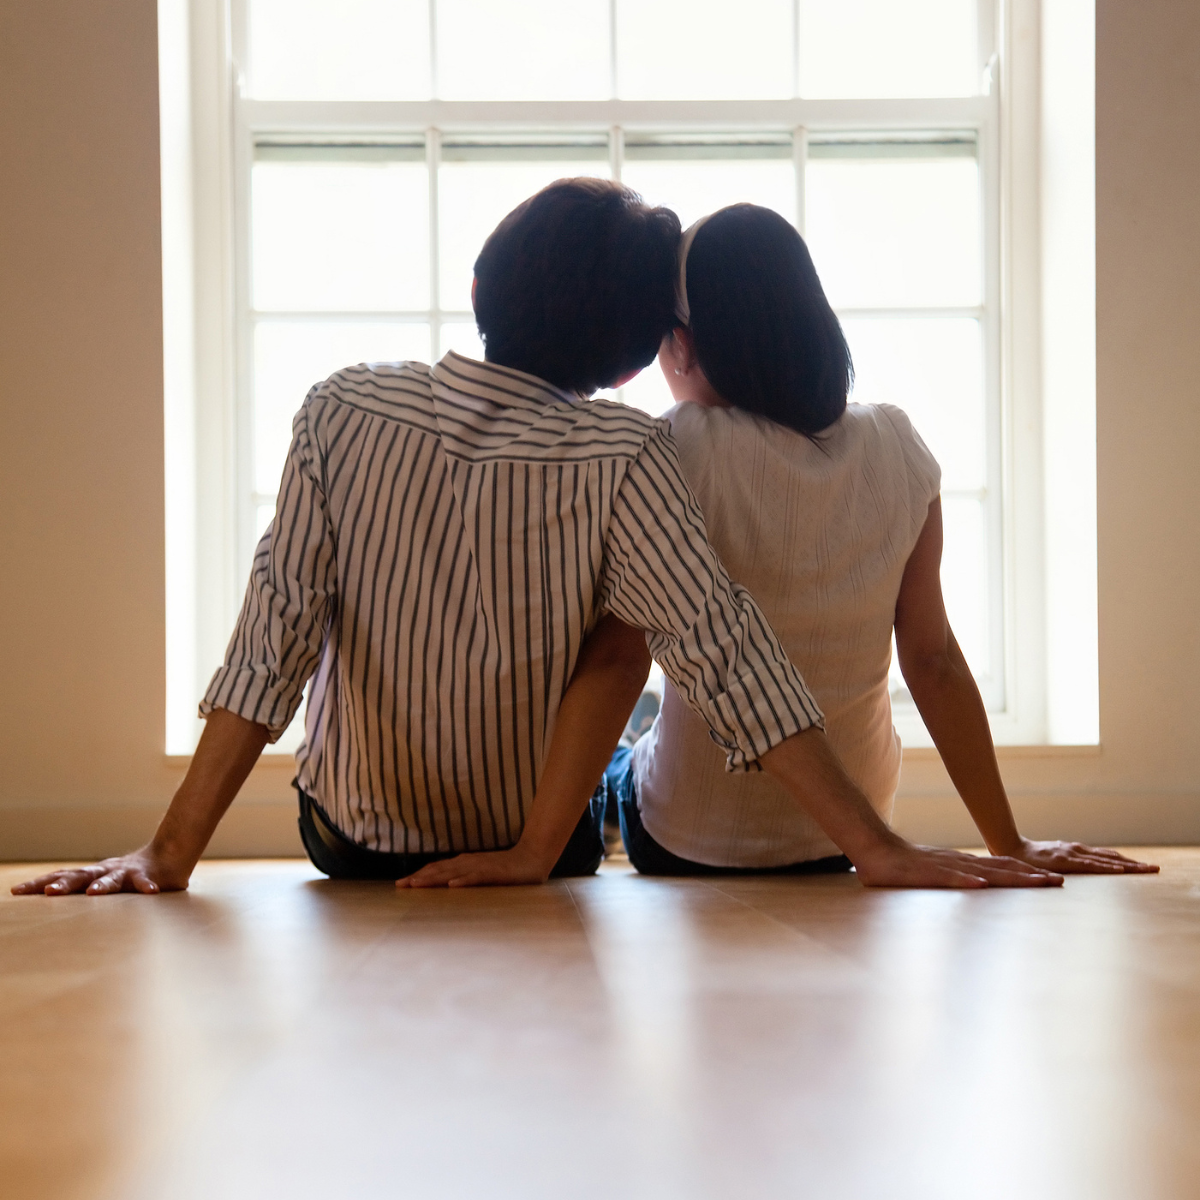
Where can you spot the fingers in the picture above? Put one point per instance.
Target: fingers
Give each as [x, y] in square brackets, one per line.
[1023, 879]
[931, 868]
[1088, 864]
[1128, 865]
[99, 879]
[60, 883]
[32, 886]
[436, 874]
[950, 878]
[1000, 871]
[1077, 859]
[112, 881]
[482, 869]
[1009, 873]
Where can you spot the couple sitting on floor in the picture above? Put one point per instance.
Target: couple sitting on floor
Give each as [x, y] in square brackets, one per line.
[473, 563]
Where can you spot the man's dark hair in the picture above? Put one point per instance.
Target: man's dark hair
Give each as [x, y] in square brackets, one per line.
[764, 332]
[577, 284]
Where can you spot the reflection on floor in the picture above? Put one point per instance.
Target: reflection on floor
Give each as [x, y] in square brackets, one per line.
[272, 1034]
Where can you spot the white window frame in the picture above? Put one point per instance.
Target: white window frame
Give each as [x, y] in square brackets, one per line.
[225, 125]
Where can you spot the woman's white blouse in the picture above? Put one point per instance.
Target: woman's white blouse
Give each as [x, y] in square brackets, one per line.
[819, 534]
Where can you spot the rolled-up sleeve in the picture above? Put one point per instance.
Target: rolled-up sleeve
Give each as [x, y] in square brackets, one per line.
[277, 642]
[707, 633]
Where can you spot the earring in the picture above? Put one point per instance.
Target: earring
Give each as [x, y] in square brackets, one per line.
[678, 371]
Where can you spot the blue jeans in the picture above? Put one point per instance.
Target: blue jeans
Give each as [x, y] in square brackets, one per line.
[652, 859]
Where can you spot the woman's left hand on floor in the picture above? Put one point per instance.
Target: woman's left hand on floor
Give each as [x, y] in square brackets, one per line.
[1074, 858]
[488, 868]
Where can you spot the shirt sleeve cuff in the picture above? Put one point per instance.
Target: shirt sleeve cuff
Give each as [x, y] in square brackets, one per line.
[250, 692]
[774, 717]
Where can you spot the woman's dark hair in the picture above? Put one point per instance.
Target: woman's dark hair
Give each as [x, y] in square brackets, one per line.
[577, 284]
[765, 335]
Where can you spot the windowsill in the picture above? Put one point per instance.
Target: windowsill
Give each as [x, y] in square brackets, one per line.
[268, 759]
[930, 754]
[284, 760]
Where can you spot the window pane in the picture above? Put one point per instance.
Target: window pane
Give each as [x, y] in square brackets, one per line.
[264, 514]
[463, 337]
[873, 48]
[891, 232]
[933, 369]
[340, 235]
[523, 50]
[696, 180]
[704, 49]
[965, 581]
[480, 185]
[351, 50]
[648, 391]
[290, 356]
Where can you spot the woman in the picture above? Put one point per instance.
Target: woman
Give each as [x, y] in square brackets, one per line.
[829, 514]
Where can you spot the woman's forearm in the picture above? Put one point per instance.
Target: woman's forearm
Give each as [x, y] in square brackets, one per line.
[607, 682]
[950, 705]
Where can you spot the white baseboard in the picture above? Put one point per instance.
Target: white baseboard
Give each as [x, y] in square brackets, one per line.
[1120, 819]
[49, 834]
[268, 830]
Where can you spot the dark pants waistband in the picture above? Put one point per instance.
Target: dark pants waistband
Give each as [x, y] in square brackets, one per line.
[333, 853]
[651, 858]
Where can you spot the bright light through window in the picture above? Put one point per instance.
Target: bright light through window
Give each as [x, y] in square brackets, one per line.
[351, 50]
[334, 231]
[894, 229]
[356, 252]
[523, 50]
[878, 48]
[704, 49]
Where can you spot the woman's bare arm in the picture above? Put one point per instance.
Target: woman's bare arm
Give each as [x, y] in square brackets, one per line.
[949, 702]
[607, 682]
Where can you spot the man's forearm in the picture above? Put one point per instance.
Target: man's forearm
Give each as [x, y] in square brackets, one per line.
[807, 766]
[228, 749]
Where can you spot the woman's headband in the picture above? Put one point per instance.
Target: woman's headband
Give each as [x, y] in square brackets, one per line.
[682, 311]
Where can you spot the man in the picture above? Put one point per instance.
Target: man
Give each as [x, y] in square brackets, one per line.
[446, 540]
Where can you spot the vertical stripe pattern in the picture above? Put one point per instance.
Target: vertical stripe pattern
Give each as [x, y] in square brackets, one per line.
[443, 542]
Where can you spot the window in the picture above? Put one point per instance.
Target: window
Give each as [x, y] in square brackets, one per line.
[375, 144]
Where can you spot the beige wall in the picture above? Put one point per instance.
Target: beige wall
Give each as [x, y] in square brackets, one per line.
[81, 430]
[81, 484]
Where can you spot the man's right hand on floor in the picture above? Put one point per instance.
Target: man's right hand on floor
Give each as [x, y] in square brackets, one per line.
[228, 749]
[142, 871]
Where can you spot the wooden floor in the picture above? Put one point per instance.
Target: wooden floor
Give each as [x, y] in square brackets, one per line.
[271, 1034]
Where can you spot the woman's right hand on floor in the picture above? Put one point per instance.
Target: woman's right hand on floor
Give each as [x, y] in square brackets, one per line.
[1075, 858]
[142, 871]
[901, 864]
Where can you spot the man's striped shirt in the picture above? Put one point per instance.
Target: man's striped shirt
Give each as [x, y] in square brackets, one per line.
[444, 540]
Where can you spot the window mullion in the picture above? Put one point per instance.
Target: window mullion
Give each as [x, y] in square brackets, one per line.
[433, 42]
[800, 159]
[796, 50]
[433, 149]
[612, 48]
